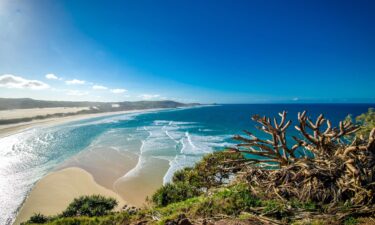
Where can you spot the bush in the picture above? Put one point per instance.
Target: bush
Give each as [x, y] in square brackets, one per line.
[38, 218]
[351, 221]
[94, 205]
[367, 122]
[229, 201]
[216, 169]
[175, 192]
[213, 170]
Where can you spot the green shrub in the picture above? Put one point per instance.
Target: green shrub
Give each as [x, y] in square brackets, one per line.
[182, 175]
[309, 205]
[94, 205]
[174, 192]
[276, 209]
[229, 201]
[366, 122]
[351, 221]
[213, 170]
[38, 218]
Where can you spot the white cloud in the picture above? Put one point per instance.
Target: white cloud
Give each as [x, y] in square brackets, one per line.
[75, 81]
[148, 96]
[12, 81]
[77, 93]
[99, 87]
[118, 91]
[295, 99]
[51, 76]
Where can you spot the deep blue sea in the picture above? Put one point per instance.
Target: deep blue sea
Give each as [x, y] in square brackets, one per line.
[181, 136]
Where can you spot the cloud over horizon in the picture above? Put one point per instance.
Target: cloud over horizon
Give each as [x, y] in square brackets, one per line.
[13, 81]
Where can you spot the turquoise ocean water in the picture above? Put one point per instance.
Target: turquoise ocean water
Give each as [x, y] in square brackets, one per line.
[181, 136]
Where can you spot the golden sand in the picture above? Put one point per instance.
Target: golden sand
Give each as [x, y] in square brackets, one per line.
[53, 193]
[97, 171]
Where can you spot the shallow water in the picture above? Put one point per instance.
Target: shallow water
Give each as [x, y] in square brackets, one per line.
[181, 136]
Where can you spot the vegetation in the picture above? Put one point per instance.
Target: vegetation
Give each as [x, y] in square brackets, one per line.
[93, 107]
[326, 176]
[94, 205]
[366, 121]
[38, 218]
[171, 193]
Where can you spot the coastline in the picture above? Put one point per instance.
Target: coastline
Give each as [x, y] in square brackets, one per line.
[53, 193]
[97, 171]
[10, 129]
[106, 176]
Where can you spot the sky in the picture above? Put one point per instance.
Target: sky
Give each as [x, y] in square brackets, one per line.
[250, 51]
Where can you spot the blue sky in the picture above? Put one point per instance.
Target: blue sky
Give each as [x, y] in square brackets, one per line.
[191, 51]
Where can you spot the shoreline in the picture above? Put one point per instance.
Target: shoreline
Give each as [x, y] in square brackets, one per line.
[10, 129]
[99, 169]
[53, 193]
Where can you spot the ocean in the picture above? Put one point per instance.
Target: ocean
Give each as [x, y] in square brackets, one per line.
[181, 136]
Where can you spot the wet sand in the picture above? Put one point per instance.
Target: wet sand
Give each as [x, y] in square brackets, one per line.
[109, 168]
[53, 193]
[105, 164]
[95, 171]
[135, 188]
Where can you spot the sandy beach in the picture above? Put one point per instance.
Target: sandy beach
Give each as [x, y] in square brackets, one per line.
[9, 129]
[33, 112]
[108, 167]
[52, 194]
[95, 171]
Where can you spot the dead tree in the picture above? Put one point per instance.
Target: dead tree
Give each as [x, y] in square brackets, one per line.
[322, 165]
[273, 151]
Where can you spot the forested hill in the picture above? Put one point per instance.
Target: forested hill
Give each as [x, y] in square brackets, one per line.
[27, 103]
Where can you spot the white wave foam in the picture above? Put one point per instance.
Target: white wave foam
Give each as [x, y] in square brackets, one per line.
[18, 154]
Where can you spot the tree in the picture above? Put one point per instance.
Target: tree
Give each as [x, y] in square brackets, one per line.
[94, 205]
[319, 166]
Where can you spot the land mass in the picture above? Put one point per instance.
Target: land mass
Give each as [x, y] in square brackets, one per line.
[17, 114]
[16, 110]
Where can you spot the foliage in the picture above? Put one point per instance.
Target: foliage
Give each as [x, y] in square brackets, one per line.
[309, 205]
[216, 169]
[175, 192]
[351, 221]
[94, 205]
[336, 171]
[276, 208]
[366, 122]
[38, 218]
[333, 182]
[229, 201]
[212, 171]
